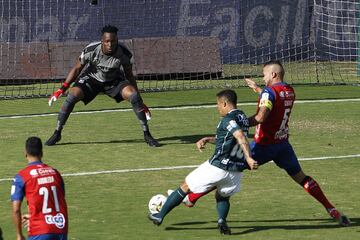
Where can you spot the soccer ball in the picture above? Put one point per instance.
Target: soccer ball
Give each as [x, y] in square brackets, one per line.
[156, 203]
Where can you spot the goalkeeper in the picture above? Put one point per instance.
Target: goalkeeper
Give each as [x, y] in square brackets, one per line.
[109, 70]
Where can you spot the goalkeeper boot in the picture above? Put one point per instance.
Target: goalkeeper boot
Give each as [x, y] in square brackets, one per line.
[56, 137]
[150, 140]
[223, 227]
[156, 220]
[343, 220]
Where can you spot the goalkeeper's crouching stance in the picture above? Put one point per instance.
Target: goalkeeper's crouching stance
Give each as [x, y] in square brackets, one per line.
[109, 70]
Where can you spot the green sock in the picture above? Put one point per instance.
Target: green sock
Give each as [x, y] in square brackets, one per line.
[172, 201]
[223, 207]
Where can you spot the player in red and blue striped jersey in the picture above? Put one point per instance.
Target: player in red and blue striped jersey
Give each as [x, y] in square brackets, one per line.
[272, 133]
[44, 190]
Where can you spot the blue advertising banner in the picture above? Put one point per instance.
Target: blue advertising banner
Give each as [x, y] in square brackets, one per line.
[250, 31]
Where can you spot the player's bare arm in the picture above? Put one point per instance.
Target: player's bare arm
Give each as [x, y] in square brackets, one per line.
[202, 142]
[16, 205]
[74, 72]
[251, 84]
[71, 77]
[130, 76]
[259, 117]
[244, 144]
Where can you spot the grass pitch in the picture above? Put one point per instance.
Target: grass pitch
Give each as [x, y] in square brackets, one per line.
[114, 206]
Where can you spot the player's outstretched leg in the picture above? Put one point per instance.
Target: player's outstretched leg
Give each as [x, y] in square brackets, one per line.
[64, 114]
[138, 107]
[313, 188]
[185, 201]
[191, 198]
[172, 201]
[223, 207]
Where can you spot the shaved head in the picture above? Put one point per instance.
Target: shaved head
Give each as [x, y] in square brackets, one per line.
[275, 67]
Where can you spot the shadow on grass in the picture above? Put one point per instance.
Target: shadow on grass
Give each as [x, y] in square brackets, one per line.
[187, 139]
[236, 229]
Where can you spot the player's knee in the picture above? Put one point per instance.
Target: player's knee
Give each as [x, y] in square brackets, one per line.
[69, 102]
[220, 198]
[305, 181]
[185, 187]
[72, 98]
[135, 98]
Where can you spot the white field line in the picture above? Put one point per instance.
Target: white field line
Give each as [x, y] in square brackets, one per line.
[171, 108]
[174, 167]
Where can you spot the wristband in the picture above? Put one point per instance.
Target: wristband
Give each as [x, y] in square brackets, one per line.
[65, 86]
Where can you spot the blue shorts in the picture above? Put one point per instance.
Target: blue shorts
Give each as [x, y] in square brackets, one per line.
[281, 153]
[49, 236]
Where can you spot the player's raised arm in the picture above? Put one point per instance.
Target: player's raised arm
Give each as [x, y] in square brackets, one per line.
[244, 144]
[251, 84]
[71, 77]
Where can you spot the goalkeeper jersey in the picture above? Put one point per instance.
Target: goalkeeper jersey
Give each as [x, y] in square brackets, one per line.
[102, 67]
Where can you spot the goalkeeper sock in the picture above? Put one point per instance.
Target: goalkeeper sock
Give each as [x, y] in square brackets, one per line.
[172, 201]
[222, 206]
[137, 105]
[65, 111]
[312, 187]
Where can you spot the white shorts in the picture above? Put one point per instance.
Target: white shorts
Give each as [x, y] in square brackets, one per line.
[206, 177]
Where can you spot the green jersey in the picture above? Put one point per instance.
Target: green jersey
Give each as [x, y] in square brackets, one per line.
[228, 154]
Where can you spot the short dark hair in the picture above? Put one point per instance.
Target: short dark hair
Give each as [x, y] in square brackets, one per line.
[109, 29]
[229, 95]
[276, 62]
[33, 146]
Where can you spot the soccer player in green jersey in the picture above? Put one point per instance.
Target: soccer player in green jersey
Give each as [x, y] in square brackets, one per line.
[108, 70]
[223, 170]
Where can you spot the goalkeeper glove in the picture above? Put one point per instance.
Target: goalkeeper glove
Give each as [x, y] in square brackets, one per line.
[58, 93]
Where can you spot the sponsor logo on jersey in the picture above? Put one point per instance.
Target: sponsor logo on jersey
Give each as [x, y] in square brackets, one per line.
[58, 220]
[232, 125]
[265, 96]
[225, 161]
[289, 94]
[282, 134]
[45, 171]
[288, 103]
[33, 172]
[243, 121]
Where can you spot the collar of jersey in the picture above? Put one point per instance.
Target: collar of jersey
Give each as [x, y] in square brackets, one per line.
[279, 83]
[34, 163]
[232, 111]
